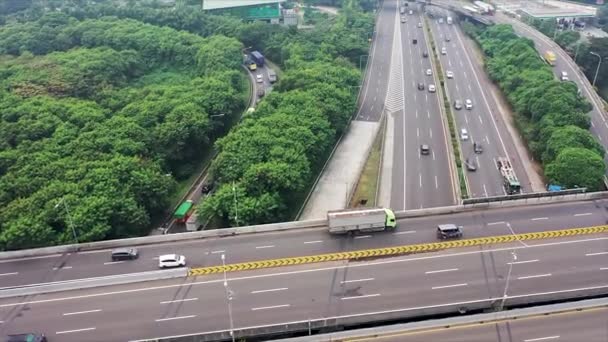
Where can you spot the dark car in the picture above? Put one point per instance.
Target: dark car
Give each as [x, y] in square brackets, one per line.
[447, 38]
[449, 231]
[29, 337]
[425, 54]
[415, 41]
[471, 164]
[206, 188]
[420, 86]
[124, 254]
[425, 149]
[477, 148]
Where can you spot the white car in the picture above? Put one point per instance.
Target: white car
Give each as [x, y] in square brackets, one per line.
[419, 24]
[259, 78]
[171, 260]
[449, 74]
[468, 104]
[429, 72]
[464, 134]
[444, 51]
[431, 88]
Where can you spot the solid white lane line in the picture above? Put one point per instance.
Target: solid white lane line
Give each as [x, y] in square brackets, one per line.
[6, 274]
[355, 280]
[314, 270]
[583, 214]
[535, 276]
[542, 338]
[522, 262]
[495, 223]
[603, 268]
[441, 271]
[360, 297]
[269, 290]
[62, 268]
[113, 262]
[179, 300]
[174, 318]
[539, 218]
[262, 247]
[447, 286]
[80, 312]
[216, 252]
[363, 236]
[597, 253]
[73, 331]
[420, 179]
[270, 307]
[436, 183]
[309, 242]
[406, 232]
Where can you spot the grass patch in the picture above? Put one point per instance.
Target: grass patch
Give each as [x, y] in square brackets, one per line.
[367, 186]
[448, 111]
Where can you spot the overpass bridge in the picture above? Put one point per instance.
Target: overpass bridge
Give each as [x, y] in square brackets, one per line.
[457, 8]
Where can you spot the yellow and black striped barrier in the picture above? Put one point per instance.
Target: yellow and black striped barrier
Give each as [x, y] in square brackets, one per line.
[393, 251]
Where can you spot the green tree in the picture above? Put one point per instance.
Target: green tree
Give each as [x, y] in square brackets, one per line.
[577, 167]
[570, 136]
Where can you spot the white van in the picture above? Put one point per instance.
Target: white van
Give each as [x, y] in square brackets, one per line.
[564, 76]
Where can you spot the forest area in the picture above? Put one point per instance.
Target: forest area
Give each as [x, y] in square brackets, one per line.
[104, 108]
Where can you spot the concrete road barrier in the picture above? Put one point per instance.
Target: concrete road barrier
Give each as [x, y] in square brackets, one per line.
[59, 286]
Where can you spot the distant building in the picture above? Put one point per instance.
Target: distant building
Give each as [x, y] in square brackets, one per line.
[266, 10]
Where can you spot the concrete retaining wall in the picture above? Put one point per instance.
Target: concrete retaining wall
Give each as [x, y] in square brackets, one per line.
[120, 279]
[275, 227]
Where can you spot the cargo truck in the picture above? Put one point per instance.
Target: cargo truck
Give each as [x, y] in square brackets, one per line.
[192, 224]
[258, 58]
[360, 220]
[449, 20]
[272, 76]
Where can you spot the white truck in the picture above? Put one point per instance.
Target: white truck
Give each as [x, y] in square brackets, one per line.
[449, 20]
[360, 220]
[192, 224]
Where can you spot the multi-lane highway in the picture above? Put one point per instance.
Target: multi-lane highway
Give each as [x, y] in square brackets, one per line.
[484, 122]
[588, 326]
[418, 181]
[262, 246]
[427, 281]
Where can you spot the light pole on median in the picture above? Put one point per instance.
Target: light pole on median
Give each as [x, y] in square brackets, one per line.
[228, 297]
[504, 294]
[70, 222]
[236, 205]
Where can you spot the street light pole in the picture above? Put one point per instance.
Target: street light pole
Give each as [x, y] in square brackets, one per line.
[504, 294]
[70, 222]
[228, 297]
[236, 205]
[599, 63]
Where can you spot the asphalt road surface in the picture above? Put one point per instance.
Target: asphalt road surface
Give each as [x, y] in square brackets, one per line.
[264, 297]
[483, 122]
[262, 246]
[418, 181]
[588, 326]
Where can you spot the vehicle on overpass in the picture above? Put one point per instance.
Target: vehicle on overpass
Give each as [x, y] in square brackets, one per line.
[550, 58]
[484, 8]
[510, 181]
[183, 212]
[349, 221]
[472, 10]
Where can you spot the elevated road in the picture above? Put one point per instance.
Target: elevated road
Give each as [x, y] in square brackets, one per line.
[588, 326]
[406, 285]
[262, 246]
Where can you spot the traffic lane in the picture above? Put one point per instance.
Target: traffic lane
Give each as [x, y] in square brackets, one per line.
[375, 86]
[284, 244]
[499, 127]
[311, 289]
[589, 326]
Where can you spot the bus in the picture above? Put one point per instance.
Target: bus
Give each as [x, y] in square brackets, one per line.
[183, 212]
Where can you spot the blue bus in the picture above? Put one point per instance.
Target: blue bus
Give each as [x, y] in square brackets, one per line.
[258, 58]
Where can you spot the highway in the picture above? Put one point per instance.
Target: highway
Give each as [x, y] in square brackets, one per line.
[484, 122]
[588, 326]
[264, 297]
[418, 181]
[262, 246]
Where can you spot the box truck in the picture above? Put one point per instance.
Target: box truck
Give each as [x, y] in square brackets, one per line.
[360, 220]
